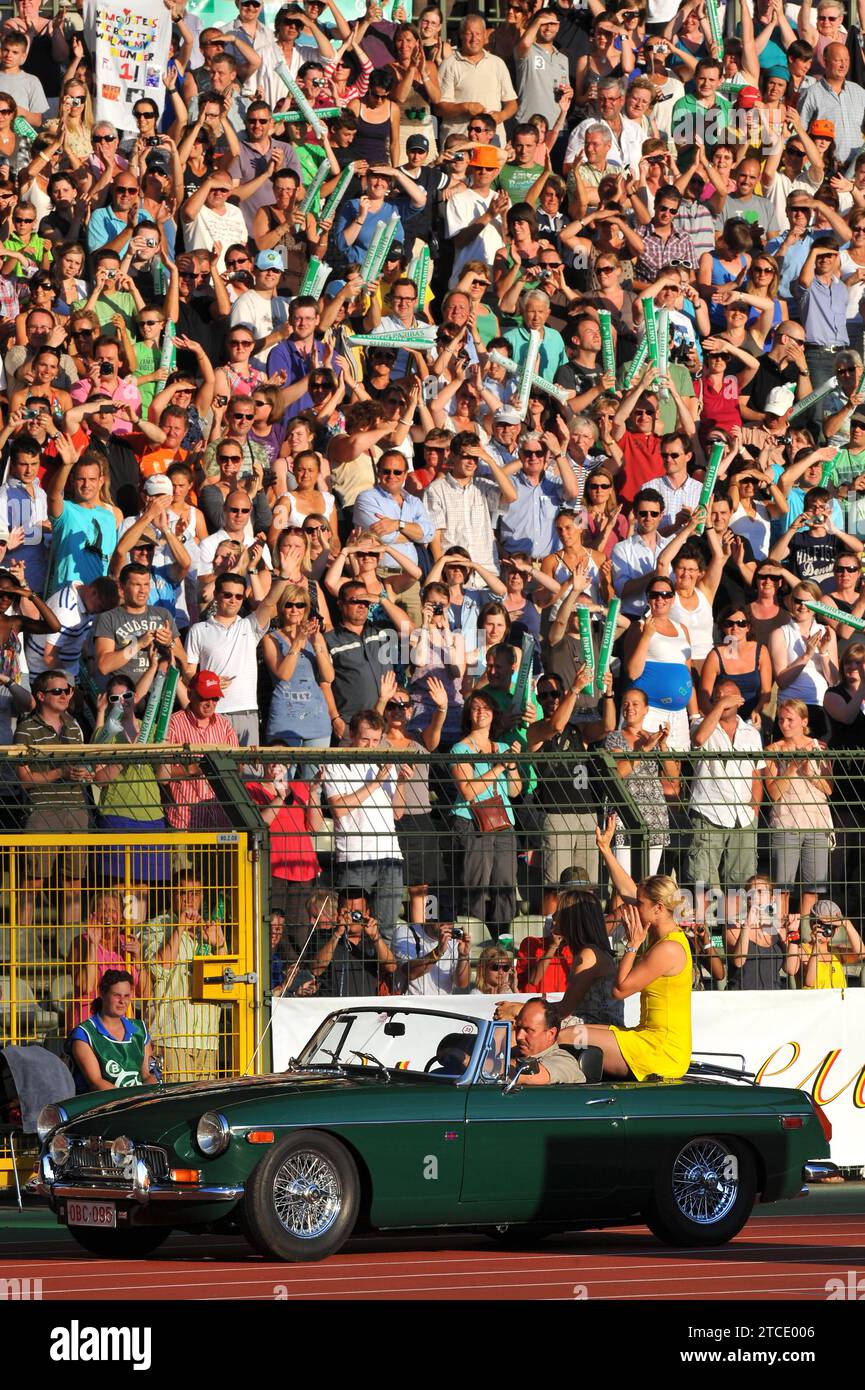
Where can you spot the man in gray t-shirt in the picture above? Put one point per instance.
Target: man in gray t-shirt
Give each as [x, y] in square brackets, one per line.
[745, 204]
[125, 636]
[25, 89]
[542, 70]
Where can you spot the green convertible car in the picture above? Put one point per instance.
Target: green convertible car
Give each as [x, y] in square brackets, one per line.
[396, 1118]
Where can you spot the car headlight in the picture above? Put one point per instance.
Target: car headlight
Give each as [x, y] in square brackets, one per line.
[58, 1149]
[212, 1134]
[50, 1116]
[122, 1149]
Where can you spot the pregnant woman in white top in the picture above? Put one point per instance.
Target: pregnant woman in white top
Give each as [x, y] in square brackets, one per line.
[695, 585]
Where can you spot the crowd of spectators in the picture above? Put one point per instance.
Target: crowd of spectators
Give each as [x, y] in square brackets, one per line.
[356, 547]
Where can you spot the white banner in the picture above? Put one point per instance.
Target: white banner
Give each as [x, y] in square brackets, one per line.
[130, 47]
[812, 1042]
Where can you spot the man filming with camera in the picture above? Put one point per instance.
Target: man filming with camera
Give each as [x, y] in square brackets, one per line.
[353, 957]
[433, 958]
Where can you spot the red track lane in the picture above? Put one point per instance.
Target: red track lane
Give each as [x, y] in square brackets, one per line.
[773, 1258]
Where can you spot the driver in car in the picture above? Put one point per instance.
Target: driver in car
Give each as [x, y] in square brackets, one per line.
[536, 1030]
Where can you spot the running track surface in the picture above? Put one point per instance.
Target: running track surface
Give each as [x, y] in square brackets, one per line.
[783, 1257]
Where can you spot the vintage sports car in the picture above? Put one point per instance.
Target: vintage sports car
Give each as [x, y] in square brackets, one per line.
[398, 1118]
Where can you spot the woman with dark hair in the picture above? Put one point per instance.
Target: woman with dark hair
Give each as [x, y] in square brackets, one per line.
[109, 1049]
[377, 139]
[578, 948]
[728, 264]
[483, 821]
[742, 658]
[605, 525]
[417, 88]
[765, 609]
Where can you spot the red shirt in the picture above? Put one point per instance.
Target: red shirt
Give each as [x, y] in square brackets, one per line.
[642, 463]
[556, 971]
[292, 853]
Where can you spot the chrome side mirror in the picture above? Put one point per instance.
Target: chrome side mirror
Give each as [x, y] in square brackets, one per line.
[530, 1067]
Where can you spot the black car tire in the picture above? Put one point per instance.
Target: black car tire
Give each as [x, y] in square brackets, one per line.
[135, 1244]
[704, 1193]
[298, 1225]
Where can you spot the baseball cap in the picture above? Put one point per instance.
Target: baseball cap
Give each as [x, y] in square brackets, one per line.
[156, 163]
[746, 97]
[206, 685]
[779, 401]
[507, 416]
[827, 911]
[158, 486]
[333, 288]
[417, 142]
[484, 157]
[268, 260]
[820, 126]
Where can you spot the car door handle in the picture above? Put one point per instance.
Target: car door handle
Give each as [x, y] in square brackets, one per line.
[607, 1100]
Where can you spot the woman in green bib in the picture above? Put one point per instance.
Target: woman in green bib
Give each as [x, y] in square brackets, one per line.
[109, 1049]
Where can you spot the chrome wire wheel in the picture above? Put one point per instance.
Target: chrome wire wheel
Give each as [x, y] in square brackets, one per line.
[705, 1181]
[307, 1195]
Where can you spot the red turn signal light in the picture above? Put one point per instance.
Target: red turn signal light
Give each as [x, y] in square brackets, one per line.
[185, 1175]
[792, 1122]
[260, 1136]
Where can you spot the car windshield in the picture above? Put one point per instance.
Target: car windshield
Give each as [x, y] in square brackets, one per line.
[396, 1040]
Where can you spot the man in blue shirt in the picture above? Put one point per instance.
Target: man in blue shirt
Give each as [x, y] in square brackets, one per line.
[110, 226]
[792, 249]
[528, 525]
[397, 519]
[822, 298]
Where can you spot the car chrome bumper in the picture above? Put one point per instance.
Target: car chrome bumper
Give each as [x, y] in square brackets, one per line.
[816, 1170]
[155, 1193]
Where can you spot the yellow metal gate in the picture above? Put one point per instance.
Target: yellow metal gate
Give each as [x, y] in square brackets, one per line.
[180, 912]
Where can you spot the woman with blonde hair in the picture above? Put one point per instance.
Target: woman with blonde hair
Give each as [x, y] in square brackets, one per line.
[801, 819]
[494, 972]
[660, 1045]
[296, 655]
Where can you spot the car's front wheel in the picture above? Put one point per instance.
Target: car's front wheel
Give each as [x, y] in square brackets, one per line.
[704, 1193]
[302, 1200]
[135, 1244]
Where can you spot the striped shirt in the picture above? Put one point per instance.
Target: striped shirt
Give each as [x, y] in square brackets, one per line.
[195, 805]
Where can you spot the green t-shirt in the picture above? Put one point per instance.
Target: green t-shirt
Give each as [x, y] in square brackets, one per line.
[107, 305]
[120, 1061]
[147, 360]
[516, 180]
[690, 117]
[135, 793]
[681, 379]
[847, 467]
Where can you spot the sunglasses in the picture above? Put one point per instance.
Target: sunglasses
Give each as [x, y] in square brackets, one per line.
[293, 603]
[359, 602]
[236, 415]
[58, 690]
[97, 139]
[499, 966]
[392, 472]
[312, 530]
[605, 269]
[239, 511]
[237, 263]
[662, 595]
[736, 622]
[398, 704]
[846, 569]
[599, 487]
[644, 410]
[534, 453]
[122, 699]
[646, 512]
[548, 694]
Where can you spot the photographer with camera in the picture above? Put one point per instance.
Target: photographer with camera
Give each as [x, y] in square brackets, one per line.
[822, 963]
[352, 956]
[761, 942]
[129, 638]
[433, 958]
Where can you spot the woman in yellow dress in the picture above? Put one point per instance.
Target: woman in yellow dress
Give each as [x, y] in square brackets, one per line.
[660, 1045]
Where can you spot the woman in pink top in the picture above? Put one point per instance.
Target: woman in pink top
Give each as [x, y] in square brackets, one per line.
[104, 946]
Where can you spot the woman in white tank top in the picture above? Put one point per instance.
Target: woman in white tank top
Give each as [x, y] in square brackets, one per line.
[804, 654]
[695, 586]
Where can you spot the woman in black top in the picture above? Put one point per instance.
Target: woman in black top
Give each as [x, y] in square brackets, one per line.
[844, 702]
[764, 943]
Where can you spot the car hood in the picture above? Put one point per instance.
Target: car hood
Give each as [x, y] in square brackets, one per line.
[147, 1112]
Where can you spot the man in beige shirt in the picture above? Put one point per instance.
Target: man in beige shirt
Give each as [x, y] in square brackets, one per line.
[474, 81]
[536, 1030]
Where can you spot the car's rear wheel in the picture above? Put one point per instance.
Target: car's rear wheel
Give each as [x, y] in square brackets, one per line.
[302, 1200]
[136, 1244]
[704, 1193]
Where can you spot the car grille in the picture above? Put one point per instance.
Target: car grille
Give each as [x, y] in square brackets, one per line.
[91, 1158]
